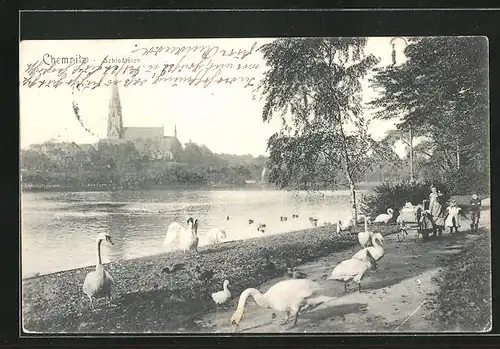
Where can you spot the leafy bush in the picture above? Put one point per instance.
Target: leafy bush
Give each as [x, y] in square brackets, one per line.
[395, 194]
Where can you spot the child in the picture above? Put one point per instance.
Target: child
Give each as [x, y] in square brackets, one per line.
[475, 205]
[452, 218]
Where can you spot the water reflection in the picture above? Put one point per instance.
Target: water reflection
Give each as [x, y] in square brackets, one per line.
[59, 229]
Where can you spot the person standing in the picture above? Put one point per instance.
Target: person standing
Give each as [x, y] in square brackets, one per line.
[475, 205]
[452, 219]
[436, 209]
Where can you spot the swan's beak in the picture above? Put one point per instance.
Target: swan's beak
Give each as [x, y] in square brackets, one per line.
[109, 240]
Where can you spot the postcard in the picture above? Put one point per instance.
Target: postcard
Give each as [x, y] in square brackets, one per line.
[255, 185]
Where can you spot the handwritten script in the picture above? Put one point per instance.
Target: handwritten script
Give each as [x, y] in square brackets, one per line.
[200, 66]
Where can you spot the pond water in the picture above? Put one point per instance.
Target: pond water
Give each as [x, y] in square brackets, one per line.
[59, 228]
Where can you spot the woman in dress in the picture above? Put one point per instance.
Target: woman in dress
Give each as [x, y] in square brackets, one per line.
[436, 209]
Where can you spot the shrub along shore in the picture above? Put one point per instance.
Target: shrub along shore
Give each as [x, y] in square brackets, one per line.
[146, 299]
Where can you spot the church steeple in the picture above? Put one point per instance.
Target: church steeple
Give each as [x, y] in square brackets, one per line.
[115, 121]
[175, 130]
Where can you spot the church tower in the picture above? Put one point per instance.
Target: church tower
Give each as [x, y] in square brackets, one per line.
[115, 121]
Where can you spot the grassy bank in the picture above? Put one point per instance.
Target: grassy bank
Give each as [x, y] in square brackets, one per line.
[148, 300]
[464, 298]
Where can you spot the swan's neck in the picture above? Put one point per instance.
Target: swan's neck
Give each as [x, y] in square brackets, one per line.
[259, 298]
[225, 287]
[191, 229]
[366, 223]
[376, 243]
[99, 261]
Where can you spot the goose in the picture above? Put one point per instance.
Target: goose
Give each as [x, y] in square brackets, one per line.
[222, 296]
[364, 237]
[314, 221]
[289, 296]
[376, 251]
[205, 275]
[173, 269]
[269, 267]
[182, 235]
[384, 217]
[193, 243]
[216, 235]
[353, 269]
[295, 216]
[261, 227]
[295, 274]
[283, 218]
[98, 283]
[250, 221]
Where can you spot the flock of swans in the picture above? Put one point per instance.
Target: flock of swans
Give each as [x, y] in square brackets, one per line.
[290, 296]
[299, 293]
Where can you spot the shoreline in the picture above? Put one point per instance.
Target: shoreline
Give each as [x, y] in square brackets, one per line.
[55, 302]
[149, 301]
[166, 254]
[24, 188]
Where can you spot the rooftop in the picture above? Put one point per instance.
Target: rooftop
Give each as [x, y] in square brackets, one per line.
[142, 132]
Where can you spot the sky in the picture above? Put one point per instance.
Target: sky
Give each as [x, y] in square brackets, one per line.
[225, 118]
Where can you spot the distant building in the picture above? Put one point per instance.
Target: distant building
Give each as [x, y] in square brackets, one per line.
[68, 148]
[149, 141]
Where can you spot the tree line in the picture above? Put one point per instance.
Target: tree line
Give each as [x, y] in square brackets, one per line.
[121, 166]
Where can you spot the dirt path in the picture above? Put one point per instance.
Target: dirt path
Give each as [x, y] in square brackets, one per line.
[395, 297]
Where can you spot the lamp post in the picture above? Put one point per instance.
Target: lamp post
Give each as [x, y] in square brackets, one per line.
[412, 178]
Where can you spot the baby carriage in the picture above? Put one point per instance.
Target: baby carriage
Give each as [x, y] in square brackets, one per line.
[414, 218]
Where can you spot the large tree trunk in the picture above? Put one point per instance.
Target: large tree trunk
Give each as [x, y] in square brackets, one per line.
[412, 177]
[347, 168]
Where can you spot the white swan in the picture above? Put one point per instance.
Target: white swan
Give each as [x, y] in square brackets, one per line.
[345, 225]
[289, 296]
[353, 269]
[364, 237]
[176, 233]
[384, 217]
[216, 235]
[98, 283]
[222, 296]
[376, 251]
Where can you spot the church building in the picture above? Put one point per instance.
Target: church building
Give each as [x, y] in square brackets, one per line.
[149, 141]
